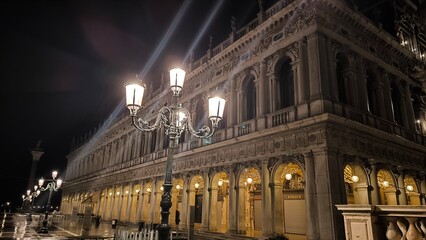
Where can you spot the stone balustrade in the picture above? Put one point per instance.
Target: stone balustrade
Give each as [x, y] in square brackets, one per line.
[392, 222]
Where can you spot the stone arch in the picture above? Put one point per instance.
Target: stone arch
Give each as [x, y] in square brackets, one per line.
[195, 190]
[219, 199]
[387, 186]
[249, 199]
[288, 201]
[411, 189]
[356, 183]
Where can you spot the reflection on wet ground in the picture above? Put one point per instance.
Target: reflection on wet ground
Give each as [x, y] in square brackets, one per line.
[19, 226]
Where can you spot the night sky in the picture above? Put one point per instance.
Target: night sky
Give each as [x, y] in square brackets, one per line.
[64, 65]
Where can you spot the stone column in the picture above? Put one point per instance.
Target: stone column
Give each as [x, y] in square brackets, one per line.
[105, 204]
[423, 189]
[374, 187]
[213, 208]
[241, 207]
[206, 197]
[232, 104]
[409, 107]
[318, 74]
[129, 202]
[184, 213]
[98, 206]
[262, 99]
[266, 200]
[311, 198]
[112, 203]
[401, 194]
[303, 80]
[152, 194]
[156, 204]
[232, 216]
[140, 202]
[277, 208]
[385, 99]
[330, 190]
[120, 202]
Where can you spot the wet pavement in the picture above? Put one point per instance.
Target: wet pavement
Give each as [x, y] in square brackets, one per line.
[18, 226]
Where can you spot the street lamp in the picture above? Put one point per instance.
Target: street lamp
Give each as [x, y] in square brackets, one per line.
[32, 195]
[175, 119]
[53, 185]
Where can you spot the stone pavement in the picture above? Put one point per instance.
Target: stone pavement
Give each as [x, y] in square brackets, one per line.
[16, 226]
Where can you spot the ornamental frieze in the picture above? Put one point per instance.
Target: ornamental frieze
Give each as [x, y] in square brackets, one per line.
[375, 148]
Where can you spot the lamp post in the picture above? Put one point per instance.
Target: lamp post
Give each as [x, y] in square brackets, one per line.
[175, 119]
[53, 185]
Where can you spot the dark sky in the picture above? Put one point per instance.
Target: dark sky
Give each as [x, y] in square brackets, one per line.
[64, 65]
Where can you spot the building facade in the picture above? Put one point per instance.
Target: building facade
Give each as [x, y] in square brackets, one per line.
[324, 108]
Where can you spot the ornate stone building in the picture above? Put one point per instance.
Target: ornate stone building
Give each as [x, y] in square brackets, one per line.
[324, 108]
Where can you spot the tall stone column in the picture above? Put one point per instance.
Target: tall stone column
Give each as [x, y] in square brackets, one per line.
[103, 213]
[303, 80]
[111, 210]
[318, 74]
[129, 202]
[423, 188]
[330, 191]
[120, 202]
[98, 206]
[409, 108]
[374, 186]
[262, 94]
[277, 208]
[184, 213]
[266, 200]
[156, 204]
[36, 153]
[232, 216]
[311, 198]
[140, 201]
[385, 98]
[206, 198]
[241, 207]
[401, 195]
[213, 206]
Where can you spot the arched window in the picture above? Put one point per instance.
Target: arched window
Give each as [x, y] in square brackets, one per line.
[341, 66]
[284, 90]
[249, 99]
[396, 100]
[372, 93]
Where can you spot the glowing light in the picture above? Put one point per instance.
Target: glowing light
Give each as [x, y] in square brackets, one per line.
[178, 187]
[288, 176]
[410, 188]
[355, 178]
[197, 185]
[249, 180]
[220, 182]
[54, 174]
[385, 184]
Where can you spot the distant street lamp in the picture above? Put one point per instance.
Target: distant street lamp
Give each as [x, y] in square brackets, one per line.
[32, 195]
[175, 119]
[53, 185]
